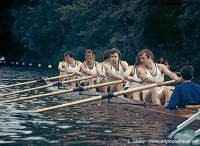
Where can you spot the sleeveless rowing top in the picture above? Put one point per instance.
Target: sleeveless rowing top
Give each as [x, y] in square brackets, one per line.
[158, 76]
[136, 78]
[119, 71]
[93, 69]
[72, 68]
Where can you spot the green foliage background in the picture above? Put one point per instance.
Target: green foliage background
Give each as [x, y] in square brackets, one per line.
[48, 28]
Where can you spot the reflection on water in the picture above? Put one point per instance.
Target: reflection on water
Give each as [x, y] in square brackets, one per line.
[97, 123]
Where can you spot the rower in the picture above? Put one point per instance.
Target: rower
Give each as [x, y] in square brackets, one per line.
[186, 93]
[72, 65]
[115, 69]
[92, 68]
[63, 67]
[133, 81]
[154, 73]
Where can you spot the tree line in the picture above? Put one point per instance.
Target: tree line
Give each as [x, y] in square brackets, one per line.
[47, 29]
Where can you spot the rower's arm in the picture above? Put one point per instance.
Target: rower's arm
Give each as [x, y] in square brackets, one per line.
[143, 76]
[128, 71]
[99, 70]
[60, 67]
[85, 70]
[167, 72]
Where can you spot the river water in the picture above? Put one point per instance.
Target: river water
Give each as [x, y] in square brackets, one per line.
[96, 123]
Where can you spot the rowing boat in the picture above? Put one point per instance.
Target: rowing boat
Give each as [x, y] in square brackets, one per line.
[183, 134]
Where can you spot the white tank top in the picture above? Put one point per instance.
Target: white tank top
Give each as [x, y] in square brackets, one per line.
[93, 69]
[158, 76]
[136, 78]
[72, 68]
[119, 71]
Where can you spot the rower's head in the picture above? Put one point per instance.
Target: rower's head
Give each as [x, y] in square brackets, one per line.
[115, 54]
[69, 56]
[89, 55]
[146, 56]
[106, 55]
[187, 72]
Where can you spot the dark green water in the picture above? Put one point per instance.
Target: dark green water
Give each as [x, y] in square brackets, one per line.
[96, 123]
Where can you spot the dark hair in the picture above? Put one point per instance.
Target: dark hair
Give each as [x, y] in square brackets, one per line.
[137, 60]
[115, 50]
[106, 55]
[88, 51]
[187, 72]
[70, 54]
[148, 52]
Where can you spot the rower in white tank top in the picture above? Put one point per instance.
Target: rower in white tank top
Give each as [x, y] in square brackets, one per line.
[135, 77]
[119, 71]
[158, 76]
[72, 68]
[94, 71]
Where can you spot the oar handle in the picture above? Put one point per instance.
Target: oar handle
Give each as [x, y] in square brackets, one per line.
[66, 104]
[30, 89]
[19, 84]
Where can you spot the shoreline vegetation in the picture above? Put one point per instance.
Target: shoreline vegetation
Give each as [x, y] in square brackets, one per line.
[42, 31]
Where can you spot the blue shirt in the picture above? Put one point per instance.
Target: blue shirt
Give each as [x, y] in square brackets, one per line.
[186, 93]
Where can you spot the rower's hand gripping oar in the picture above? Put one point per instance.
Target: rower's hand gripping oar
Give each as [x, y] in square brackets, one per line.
[101, 97]
[36, 81]
[46, 86]
[63, 91]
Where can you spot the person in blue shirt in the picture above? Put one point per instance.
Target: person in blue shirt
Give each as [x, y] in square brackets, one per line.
[186, 93]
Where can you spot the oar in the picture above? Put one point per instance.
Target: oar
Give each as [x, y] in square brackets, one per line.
[62, 91]
[36, 81]
[193, 106]
[101, 97]
[46, 86]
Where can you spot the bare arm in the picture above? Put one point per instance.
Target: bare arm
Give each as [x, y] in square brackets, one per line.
[60, 67]
[85, 70]
[167, 72]
[99, 70]
[128, 72]
[142, 74]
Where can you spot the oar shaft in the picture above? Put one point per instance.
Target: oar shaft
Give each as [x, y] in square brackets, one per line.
[36, 96]
[35, 81]
[79, 79]
[18, 84]
[103, 84]
[67, 104]
[58, 77]
[30, 89]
